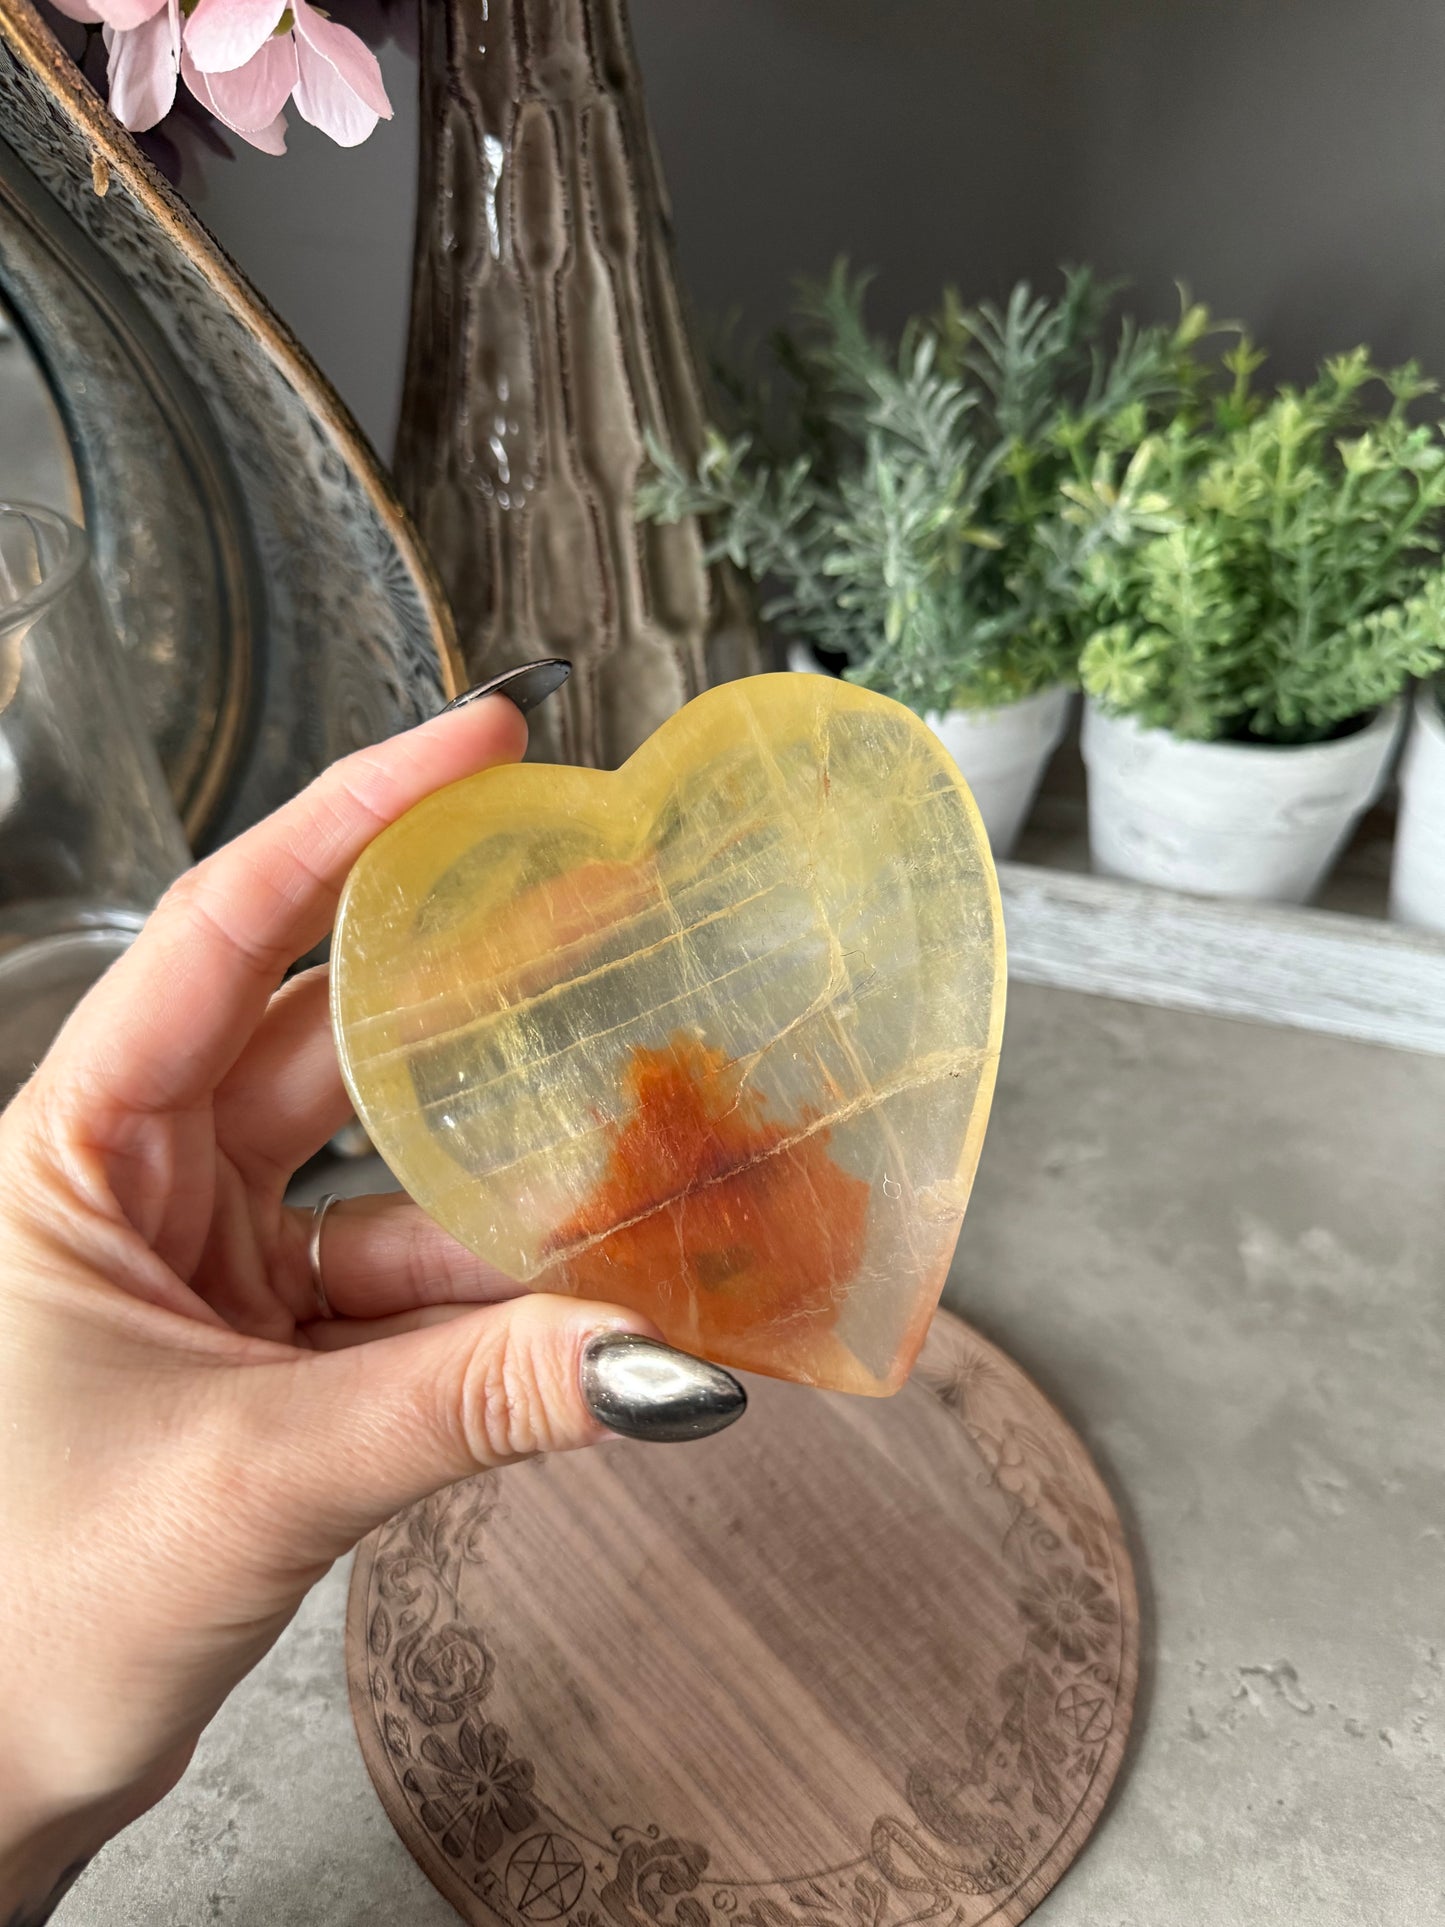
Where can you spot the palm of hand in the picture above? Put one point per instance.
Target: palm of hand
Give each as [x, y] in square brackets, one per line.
[198, 1190]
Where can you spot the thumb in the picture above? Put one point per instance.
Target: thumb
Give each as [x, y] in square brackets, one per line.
[355, 1435]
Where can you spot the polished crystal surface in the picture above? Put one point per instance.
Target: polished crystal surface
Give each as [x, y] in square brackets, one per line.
[712, 1036]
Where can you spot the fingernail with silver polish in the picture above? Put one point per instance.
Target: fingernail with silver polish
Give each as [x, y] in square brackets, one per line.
[528, 686]
[642, 1390]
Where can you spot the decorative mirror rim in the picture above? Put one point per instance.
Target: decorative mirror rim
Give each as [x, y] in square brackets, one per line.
[115, 156]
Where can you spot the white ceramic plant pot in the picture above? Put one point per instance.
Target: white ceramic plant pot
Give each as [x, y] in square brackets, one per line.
[1227, 819]
[1417, 880]
[803, 662]
[1003, 754]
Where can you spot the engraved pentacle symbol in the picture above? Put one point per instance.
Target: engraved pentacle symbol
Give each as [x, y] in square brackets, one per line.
[1085, 1713]
[545, 1877]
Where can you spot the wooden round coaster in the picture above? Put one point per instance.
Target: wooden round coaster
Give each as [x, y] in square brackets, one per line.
[855, 1663]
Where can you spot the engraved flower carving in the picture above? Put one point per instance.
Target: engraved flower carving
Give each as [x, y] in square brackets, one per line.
[1013, 1468]
[1069, 1612]
[481, 1793]
[968, 1378]
[442, 1672]
[650, 1873]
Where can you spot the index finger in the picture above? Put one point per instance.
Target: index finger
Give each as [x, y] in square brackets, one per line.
[169, 1019]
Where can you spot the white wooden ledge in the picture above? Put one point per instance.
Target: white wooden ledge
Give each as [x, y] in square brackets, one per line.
[1314, 969]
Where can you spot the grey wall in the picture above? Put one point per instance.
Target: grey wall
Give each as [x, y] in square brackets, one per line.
[325, 234]
[1285, 157]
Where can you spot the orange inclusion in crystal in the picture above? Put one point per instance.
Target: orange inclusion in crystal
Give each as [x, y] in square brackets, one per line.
[751, 1215]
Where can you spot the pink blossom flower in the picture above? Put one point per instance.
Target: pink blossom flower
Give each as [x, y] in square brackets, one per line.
[249, 101]
[121, 14]
[222, 35]
[334, 78]
[144, 63]
[143, 40]
[239, 66]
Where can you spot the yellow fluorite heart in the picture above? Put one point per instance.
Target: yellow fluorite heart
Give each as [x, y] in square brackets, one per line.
[712, 1036]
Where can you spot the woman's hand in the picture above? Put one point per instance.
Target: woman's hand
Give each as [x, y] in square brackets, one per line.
[185, 1444]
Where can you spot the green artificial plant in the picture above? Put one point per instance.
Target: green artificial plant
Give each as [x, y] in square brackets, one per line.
[1291, 584]
[903, 505]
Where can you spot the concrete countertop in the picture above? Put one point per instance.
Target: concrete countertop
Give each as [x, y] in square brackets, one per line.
[1220, 1248]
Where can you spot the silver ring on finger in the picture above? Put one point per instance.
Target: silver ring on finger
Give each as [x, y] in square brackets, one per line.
[313, 1252]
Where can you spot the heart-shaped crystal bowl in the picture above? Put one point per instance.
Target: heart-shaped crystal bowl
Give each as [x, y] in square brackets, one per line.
[712, 1036]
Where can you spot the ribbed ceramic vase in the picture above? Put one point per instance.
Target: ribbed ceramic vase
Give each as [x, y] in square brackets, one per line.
[547, 343]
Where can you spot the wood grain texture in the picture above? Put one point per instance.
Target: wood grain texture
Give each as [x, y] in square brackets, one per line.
[1312, 969]
[854, 1663]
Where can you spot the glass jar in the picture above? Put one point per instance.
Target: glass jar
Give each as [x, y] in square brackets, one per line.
[89, 835]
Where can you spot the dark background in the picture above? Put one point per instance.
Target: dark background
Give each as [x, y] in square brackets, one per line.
[1286, 158]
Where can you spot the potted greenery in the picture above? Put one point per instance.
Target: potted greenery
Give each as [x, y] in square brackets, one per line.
[1248, 652]
[903, 505]
[1417, 876]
